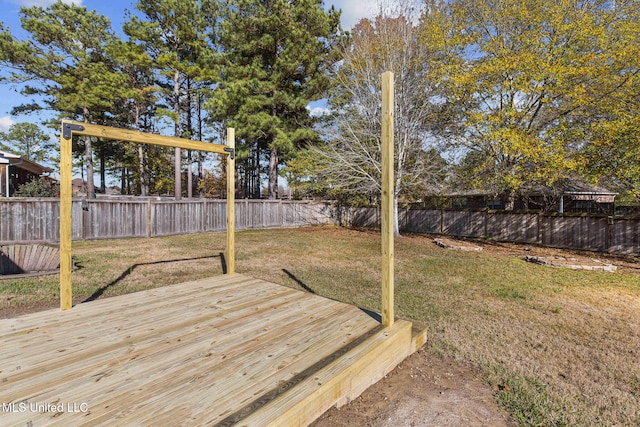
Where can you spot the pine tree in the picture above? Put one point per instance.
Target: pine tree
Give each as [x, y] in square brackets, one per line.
[174, 36]
[65, 63]
[275, 54]
[28, 141]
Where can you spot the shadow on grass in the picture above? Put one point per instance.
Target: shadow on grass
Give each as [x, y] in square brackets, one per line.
[298, 281]
[375, 316]
[98, 293]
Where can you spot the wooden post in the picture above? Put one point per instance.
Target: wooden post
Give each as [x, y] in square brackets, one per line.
[65, 222]
[87, 129]
[387, 200]
[231, 200]
[149, 218]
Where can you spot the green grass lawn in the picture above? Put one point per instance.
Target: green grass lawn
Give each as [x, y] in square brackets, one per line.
[558, 347]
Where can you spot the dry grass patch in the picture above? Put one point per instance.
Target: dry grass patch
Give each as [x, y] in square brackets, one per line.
[559, 347]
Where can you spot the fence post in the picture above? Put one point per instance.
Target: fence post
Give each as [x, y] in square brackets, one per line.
[83, 218]
[486, 220]
[203, 220]
[609, 231]
[281, 213]
[149, 218]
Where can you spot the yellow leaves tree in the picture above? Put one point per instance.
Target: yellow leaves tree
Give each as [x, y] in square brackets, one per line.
[528, 78]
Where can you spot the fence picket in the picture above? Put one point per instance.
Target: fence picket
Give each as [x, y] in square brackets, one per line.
[37, 220]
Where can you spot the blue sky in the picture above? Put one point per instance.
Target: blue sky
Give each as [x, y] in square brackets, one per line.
[352, 12]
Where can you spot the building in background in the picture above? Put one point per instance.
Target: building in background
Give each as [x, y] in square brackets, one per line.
[15, 171]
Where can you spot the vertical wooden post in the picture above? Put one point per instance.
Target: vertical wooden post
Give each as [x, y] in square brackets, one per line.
[387, 209]
[148, 218]
[65, 222]
[231, 200]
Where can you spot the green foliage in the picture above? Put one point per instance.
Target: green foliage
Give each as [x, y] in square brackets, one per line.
[27, 140]
[66, 56]
[614, 152]
[172, 40]
[38, 187]
[273, 63]
[528, 79]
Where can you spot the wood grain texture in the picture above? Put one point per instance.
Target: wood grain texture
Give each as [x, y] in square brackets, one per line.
[192, 354]
[66, 222]
[231, 204]
[127, 135]
[387, 206]
[66, 217]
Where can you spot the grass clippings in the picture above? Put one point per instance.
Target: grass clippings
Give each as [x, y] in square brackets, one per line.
[558, 347]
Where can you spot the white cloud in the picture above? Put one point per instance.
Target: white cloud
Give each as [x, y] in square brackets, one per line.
[5, 123]
[45, 3]
[317, 111]
[354, 11]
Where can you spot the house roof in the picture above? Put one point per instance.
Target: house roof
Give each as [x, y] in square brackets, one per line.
[573, 187]
[567, 187]
[15, 160]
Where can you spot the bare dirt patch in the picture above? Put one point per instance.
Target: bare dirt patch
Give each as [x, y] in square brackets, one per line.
[559, 256]
[572, 262]
[424, 390]
[456, 244]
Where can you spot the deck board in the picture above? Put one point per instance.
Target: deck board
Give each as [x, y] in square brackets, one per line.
[187, 354]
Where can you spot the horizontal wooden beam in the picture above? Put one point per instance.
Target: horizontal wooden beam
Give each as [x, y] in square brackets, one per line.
[70, 128]
[77, 128]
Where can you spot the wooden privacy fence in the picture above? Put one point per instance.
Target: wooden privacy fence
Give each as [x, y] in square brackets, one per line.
[26, 220]
[570, 231]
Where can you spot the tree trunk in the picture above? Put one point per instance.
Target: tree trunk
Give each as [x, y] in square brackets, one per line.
[510, 201]
[178, 134]
[88, 155]
[142, 160]
[103, 174]
[178, 174]
[255, 181]
[396, 219]
[273, 174]
[189, 175]
[123, 181]
[144, 171]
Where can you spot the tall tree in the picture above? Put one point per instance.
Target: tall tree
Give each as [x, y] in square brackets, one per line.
[275, 54]
[350, 158]
[174, 36]
[28, 141]
[612, 151]
[65, 62]
[526, 76]
[140, 103]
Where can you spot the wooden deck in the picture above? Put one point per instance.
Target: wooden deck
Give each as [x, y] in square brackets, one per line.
[220, 351]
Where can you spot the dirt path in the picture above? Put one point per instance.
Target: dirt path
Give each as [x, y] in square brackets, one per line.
[424, 390]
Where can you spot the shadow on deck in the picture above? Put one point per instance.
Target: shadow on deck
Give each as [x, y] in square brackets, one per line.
[227, 350]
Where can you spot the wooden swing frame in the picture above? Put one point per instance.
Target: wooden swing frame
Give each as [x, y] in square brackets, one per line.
[71, 128]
